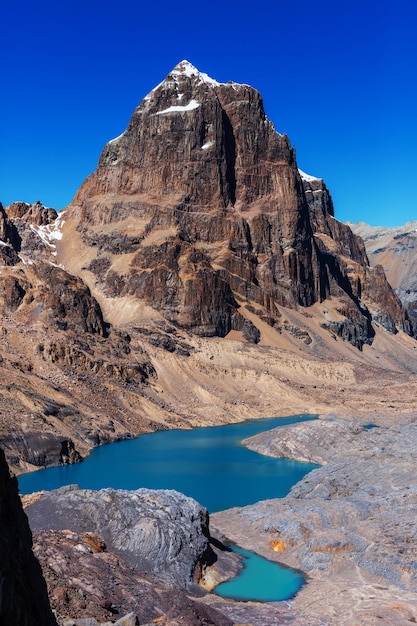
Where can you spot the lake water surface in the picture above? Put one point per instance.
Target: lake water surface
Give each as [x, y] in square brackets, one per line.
[208, 464]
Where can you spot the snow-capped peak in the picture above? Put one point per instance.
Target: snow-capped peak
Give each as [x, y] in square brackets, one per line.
[185, 68]
[307, 177]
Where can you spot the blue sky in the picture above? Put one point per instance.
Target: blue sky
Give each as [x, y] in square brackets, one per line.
[338, 77]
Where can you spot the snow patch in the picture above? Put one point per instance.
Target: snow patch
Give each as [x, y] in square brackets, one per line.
[116, 138]
[307, 177]
[207, 145]
[41, 232]
[185, 68]
[176, 108]
[50, 232]
[25, 260]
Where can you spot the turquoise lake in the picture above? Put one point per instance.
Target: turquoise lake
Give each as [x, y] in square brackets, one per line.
[209, 464]
[261, 580]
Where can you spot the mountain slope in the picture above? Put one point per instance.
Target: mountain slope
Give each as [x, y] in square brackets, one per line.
[197, 277]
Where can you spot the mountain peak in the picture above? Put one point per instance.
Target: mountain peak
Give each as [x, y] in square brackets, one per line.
[185, 68]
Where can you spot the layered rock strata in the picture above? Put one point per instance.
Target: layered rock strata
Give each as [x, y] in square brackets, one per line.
[363, 291]
[160, 532]
[395, 250]
[87, 580]
[110, 552]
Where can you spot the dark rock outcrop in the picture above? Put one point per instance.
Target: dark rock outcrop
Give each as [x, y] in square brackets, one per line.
[28, 228]
[23, 596]
[364, 290]
[40, 449]
[67, 301]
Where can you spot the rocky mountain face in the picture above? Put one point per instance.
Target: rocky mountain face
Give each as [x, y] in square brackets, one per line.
[203, 199]
[23, 598]
[394, 249]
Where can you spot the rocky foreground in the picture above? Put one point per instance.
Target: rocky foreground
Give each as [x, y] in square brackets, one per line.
[138, 557]
[350, 525]
[23, 597]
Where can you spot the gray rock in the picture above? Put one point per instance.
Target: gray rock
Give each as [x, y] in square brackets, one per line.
[354, 514]
[161, 532]
[128, 620]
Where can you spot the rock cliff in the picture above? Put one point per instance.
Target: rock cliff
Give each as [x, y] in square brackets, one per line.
[394, 249]
[23, 598]
[204, 200]
[363, 290]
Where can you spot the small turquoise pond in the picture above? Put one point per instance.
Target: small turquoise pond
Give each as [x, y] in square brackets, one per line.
[209, 464]
[261, 580]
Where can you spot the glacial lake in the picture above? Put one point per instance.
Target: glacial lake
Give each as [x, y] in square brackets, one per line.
[208, 464]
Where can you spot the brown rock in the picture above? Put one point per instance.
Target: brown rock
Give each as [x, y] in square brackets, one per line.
[86, 584]
[206, 199]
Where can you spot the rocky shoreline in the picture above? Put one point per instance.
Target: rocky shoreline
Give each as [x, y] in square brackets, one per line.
[349, 525]
[115, 556]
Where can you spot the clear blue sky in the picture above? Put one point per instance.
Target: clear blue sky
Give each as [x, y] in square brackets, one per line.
[340, 78]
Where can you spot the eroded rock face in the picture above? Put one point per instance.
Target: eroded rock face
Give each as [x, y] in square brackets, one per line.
[201, 162]
[53, 329]
[67, 301]
[207, 199]
[23, 597]
[394, 249]
[25, 228]
[365, 293]
[160, 532]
